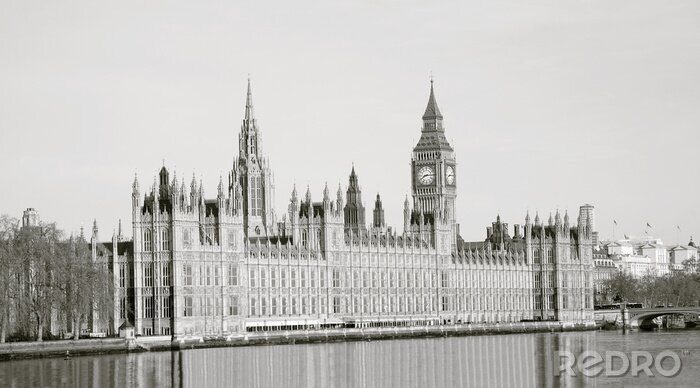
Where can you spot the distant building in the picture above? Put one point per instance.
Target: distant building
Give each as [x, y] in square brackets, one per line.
[680, 254]
[589, 211]
[30, 218]
[648, 256]
[606, 267]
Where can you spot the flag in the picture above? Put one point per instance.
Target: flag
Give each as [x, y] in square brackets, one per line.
[615, 222]
[627, 237]
[648, 226]
[679, 227]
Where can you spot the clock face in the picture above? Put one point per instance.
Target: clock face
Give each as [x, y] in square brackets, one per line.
[426, 175]
[450, 175]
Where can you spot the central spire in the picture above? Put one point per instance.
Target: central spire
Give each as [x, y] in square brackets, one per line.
[249, 104]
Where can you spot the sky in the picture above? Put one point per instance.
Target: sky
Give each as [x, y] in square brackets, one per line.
[548, 104]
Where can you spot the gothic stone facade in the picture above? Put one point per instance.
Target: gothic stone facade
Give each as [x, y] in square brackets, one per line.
[216, 267]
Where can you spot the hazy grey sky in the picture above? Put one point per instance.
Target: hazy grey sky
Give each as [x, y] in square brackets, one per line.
[549, 104]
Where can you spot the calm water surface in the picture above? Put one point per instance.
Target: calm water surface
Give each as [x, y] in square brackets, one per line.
[523, 360]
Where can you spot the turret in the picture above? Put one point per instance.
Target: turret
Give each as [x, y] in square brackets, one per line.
[339, 200]
[135, 195]
[93, 239]
[164, 186]
[326, 197]
[194, 199]
[406, 215]
[378, 214]
[354, 210]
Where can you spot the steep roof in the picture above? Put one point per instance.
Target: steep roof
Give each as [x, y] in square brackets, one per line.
[432, 111]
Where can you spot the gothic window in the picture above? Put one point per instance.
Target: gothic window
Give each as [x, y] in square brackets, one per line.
[122, 308]
[122, 276]
[294, 279]
[263, 306]
[256, 197]
[273, 280]
[251, 280]
[253, 307]
[336, 278]
[187, 269]
[166, 275]
[216, 275]
[303, 278]
[186, 238]
[232, 275]
[148, 275]
[231, 239]
[304, 238]
[263, 278]
[274, 306]
[148, 307]
[165, 241]
[188, 307]
[284, 306]
[536, 256]
[147, 240]
[166, 307]
[336, 305]
[313, 305]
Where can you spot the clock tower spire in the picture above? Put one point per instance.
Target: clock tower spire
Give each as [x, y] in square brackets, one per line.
[433, 167]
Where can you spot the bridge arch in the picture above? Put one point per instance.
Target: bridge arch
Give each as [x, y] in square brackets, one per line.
[638, 317]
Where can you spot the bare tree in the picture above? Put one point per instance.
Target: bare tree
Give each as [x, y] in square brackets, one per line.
[8, 229]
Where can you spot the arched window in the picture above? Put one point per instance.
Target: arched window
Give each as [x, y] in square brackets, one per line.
[165, 241]
[186, 239]
[147, 240]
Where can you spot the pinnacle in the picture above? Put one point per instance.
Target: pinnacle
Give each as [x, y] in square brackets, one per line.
[432, 111]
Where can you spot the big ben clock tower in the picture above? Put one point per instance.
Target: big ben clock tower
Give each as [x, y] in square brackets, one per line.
[433, 167]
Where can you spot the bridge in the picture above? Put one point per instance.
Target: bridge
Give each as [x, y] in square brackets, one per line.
[637, 317]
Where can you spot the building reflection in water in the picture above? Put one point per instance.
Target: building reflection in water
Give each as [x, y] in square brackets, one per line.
[512, 361]
[499, 360]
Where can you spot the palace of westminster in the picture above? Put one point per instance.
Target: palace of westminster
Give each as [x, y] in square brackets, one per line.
[220, 266]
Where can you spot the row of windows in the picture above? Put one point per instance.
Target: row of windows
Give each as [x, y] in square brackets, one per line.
[148, 240]
[209, 236]
[209, 306]
[149, 271]
[209, 276]
[275, 306]
[149, 307]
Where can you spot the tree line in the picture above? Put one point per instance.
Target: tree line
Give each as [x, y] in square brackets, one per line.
[677, 288]
[48, 280]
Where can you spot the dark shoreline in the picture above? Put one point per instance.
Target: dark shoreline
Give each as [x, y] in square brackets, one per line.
[29, 350]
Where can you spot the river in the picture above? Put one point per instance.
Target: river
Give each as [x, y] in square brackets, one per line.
[517, 360]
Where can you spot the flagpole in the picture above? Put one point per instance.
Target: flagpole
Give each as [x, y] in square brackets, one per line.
[613, 230]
